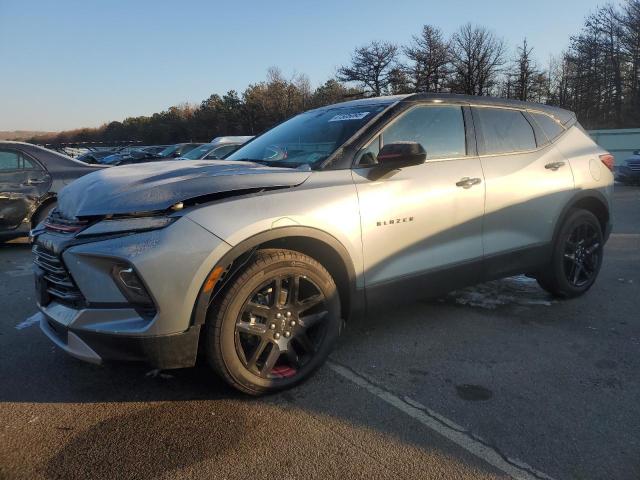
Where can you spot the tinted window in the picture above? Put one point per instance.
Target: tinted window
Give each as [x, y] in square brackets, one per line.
[440, 130]
[13, 160]
[369, 155]
[550, 127]
[504, 130]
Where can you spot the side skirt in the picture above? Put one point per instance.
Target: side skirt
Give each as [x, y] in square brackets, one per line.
[438, 282]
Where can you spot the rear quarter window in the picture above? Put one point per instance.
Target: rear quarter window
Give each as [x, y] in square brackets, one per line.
[549, 126]
[504, 131]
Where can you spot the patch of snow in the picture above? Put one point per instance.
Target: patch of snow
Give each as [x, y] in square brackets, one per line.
[519, 290]
[29, 322]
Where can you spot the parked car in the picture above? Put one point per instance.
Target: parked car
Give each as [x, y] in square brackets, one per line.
[154, 149]
[95, 157]
[30, 179]
[257, 260]
[217, 149]
[629, 172]
[175, 151]
[130, 156]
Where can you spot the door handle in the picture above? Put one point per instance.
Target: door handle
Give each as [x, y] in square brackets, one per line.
[32, 181]
[467, 182]
[554, 165]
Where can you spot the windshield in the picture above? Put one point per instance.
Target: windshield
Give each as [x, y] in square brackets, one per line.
[199, 152]
[167, 152]
[308, 138]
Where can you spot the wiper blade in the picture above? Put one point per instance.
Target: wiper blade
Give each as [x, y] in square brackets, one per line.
[253, 160]
[272, 163]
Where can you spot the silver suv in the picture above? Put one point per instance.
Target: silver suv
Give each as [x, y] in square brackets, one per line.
[256, 261]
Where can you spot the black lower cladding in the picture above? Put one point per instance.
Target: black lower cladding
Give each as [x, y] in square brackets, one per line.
[178, 350]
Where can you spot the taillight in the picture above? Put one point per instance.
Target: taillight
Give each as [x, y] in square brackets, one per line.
[609, 160]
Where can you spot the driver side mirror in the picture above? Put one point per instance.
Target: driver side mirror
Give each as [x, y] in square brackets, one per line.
[401, 154]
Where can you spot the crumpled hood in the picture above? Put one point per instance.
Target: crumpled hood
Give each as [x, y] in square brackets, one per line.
[156, 186]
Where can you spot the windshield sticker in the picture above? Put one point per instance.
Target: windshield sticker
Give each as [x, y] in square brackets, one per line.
[343, 117]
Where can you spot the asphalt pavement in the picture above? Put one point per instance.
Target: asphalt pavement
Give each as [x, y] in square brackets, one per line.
[493, 381]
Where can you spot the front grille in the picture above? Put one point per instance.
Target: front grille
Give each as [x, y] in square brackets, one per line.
[58, 281]
[634, 165]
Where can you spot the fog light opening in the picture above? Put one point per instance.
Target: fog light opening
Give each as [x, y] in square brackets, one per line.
[130, 285]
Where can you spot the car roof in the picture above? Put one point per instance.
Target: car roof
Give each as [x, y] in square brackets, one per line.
[564, 116]
[54, 160]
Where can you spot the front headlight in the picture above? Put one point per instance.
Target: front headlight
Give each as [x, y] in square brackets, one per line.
[126, 225]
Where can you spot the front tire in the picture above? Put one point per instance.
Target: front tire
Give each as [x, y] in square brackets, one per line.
[275, 323]
[577, 256]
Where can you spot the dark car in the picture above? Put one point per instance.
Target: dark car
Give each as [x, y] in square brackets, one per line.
[30, 179]
[94, 157]
[131, 156]
[629, 172]
[143, 155]
[154, 149]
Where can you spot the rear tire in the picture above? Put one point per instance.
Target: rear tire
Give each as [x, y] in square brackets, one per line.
[274, 324]
[577, 256]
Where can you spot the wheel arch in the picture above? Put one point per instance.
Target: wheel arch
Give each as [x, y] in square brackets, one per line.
[317, 244]
[592, 201]
[42, 204]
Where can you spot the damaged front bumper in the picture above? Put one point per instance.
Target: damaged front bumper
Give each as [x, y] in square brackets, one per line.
[163, 352]
[87, 313]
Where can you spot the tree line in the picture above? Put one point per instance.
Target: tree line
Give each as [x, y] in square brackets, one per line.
[597, 76]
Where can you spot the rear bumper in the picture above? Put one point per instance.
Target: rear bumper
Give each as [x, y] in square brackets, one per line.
[164, 352]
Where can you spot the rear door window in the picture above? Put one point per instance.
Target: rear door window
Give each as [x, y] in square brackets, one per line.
[549, 126]
[14, 160]
[504, 131]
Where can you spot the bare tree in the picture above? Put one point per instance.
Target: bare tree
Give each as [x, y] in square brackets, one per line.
[477, 56]
[631, 46]
[609, 26]
[371, 66]
[597, 67]
[526, 72]
[399, 81]
[430, 60]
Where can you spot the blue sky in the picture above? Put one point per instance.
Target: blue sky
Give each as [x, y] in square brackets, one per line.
[68, 64]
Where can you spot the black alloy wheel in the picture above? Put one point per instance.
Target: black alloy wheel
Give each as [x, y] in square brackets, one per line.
[576, 258]
[582, 252]
[281, 326]
[274, 323]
